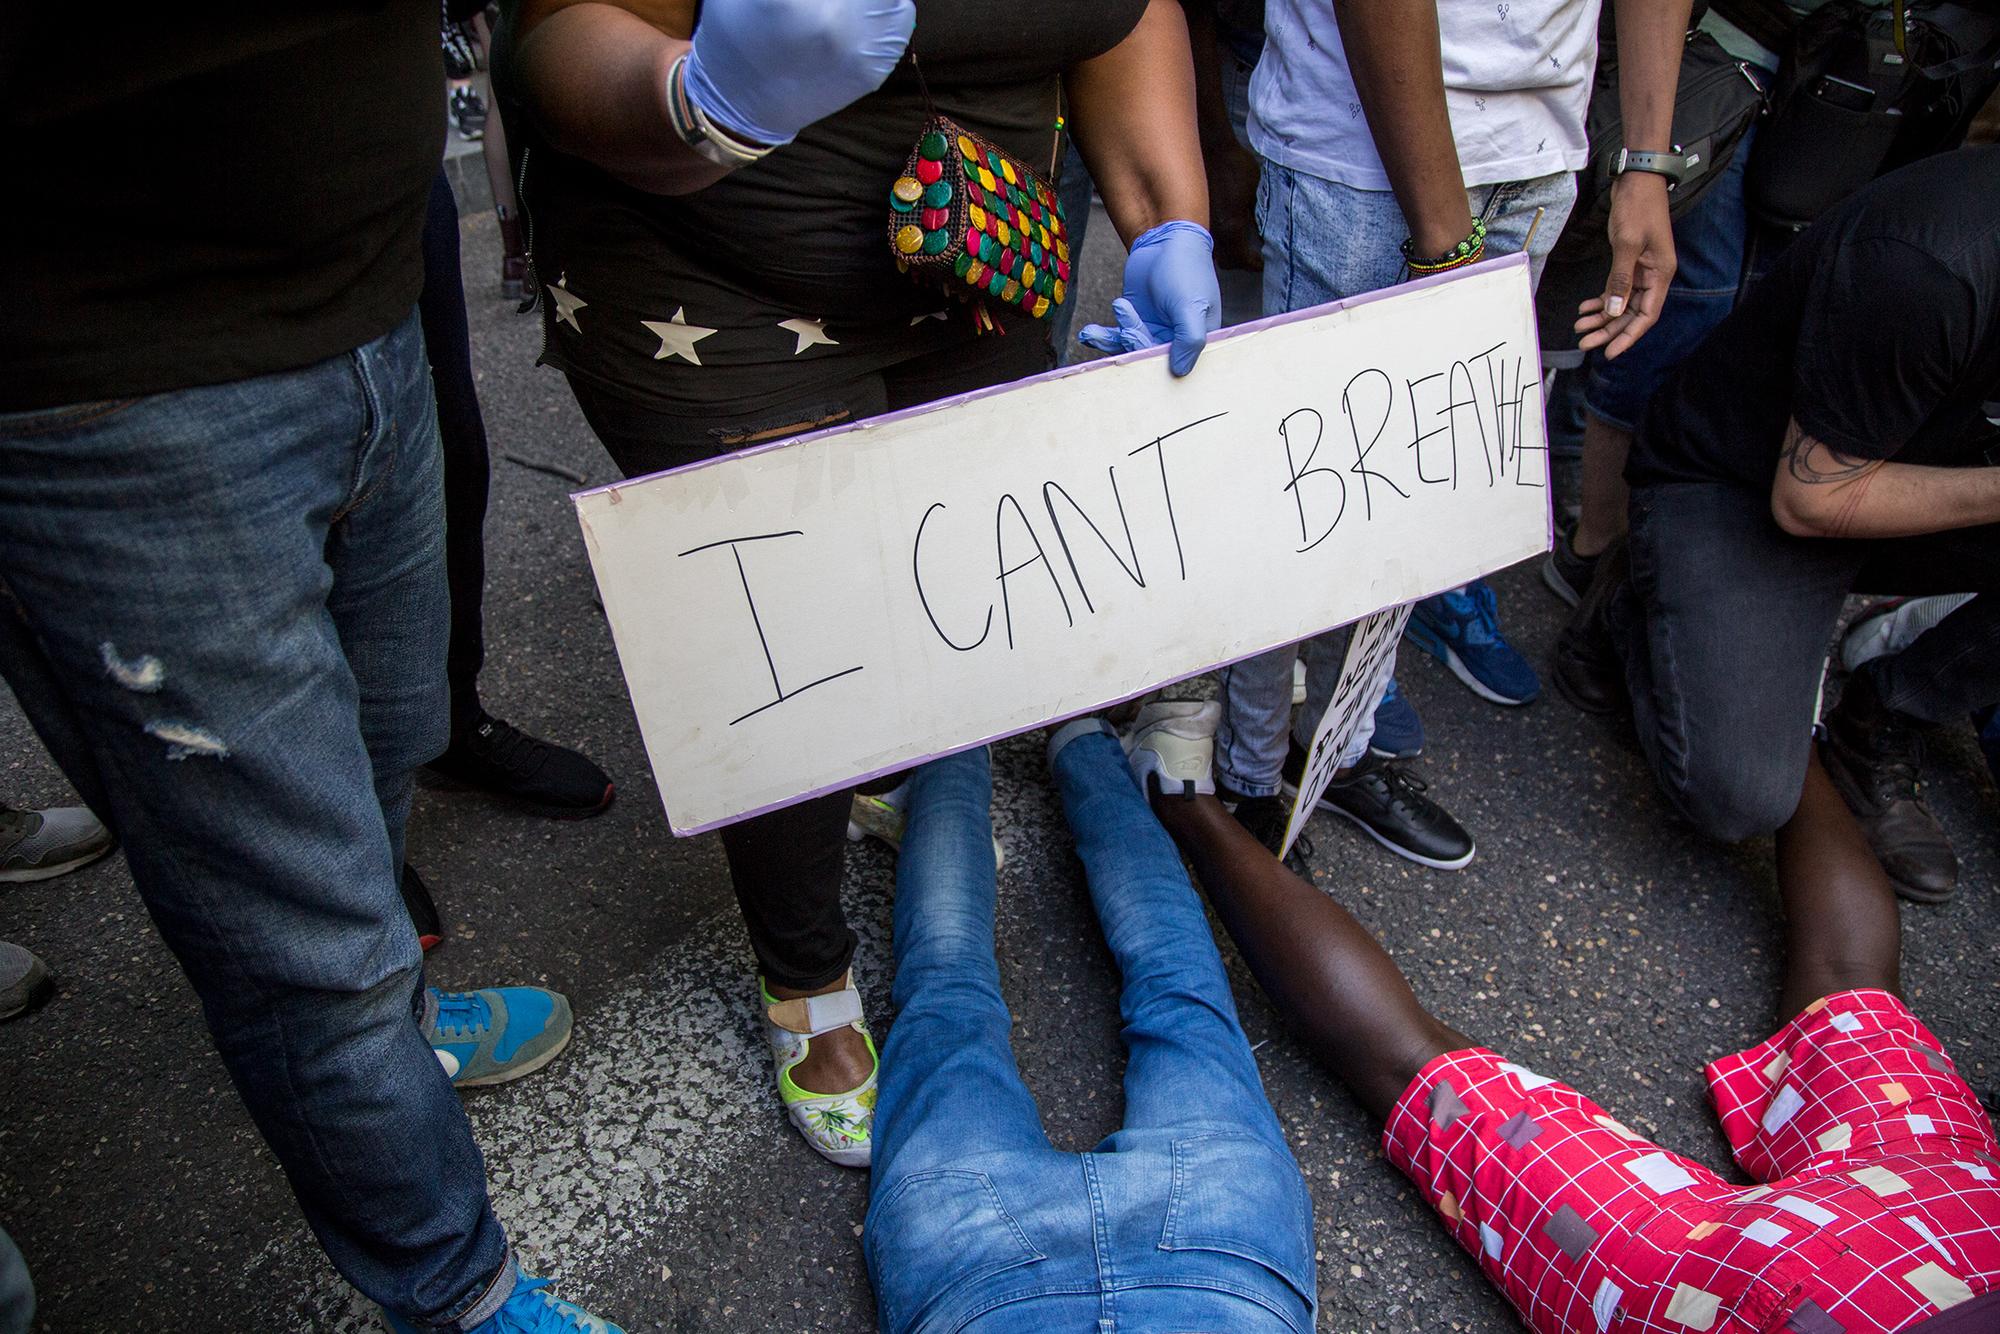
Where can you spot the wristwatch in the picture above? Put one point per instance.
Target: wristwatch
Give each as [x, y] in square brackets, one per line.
[1674, 166]
[700, 133]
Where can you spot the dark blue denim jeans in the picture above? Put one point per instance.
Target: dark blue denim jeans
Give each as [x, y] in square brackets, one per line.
[1192, 1217]
[224, 610]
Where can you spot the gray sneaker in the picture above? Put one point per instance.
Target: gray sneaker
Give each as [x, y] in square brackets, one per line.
[24, 981]
[35, 845]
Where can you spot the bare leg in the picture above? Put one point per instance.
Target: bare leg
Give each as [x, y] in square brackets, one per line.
[1841, 926]
[1605, 495]
[1335, 986]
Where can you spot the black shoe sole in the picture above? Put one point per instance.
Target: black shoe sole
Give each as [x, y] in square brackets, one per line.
[1928, 897]
[39, 995]
[1558, 585]
[451, 783]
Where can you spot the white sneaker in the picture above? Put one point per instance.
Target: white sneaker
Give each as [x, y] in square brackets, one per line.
[1888, 627]
[1175, 742]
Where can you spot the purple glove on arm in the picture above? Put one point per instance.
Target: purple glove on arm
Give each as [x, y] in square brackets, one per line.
[1170, 296]
[766, 69]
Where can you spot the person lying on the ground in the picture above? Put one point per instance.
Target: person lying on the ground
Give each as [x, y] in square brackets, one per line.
[1193, 1216]
[1827, 438]
[1878, 1208]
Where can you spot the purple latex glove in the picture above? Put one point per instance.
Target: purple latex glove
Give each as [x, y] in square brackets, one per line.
[1170, 296]
[766, 69]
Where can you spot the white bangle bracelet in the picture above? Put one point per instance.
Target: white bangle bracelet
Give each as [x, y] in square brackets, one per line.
[694, 128]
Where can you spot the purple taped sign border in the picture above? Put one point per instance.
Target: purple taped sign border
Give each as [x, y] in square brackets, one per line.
[1517, 260]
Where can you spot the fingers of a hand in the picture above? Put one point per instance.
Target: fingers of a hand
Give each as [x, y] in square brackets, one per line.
[1618, 282]
[1635, 328]
[1102, 337]
[1191, 321]
[1617, 346]
[1128, 335]
[1137, 329]
[1601, 333]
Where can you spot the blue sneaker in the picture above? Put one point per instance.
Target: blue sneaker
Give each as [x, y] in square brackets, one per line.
[530, 1309]
[1461, 629]
[1399, 733]
[502, 1033]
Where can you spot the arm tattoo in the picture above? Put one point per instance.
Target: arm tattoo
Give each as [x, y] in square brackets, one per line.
[1815, 462]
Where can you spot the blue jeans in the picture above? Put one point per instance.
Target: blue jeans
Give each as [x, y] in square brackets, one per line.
[1324, 241]
[224, 610]
[1709, 241]
[1193, 1216]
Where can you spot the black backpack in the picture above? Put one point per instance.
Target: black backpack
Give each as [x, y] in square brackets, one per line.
[1716, 100]
[1862, 90]
[1715, 105]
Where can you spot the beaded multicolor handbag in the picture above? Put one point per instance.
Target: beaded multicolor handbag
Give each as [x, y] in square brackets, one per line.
[981, 224]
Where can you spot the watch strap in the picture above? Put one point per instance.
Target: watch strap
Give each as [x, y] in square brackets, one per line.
[1673, 166]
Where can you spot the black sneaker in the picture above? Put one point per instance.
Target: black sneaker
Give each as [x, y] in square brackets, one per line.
[423, 912]
[1566, 573]
[1587, 670]
[499, 758]
[468, 113]
[1389, 804]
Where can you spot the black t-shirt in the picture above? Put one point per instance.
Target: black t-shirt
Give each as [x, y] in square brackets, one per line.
[200, 193]
[800, 236]
[1878, 329]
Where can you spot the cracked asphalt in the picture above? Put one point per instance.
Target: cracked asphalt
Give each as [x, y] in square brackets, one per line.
[650, 1169]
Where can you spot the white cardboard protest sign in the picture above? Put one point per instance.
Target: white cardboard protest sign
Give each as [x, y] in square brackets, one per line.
[1364, 676]
[798, 617]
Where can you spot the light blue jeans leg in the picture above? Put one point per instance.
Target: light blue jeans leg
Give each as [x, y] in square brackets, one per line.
[1324, 241]
[1187, 1059]
[949, 1087]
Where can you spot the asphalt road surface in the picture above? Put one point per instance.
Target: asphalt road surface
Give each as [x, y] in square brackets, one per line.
[651, 1170]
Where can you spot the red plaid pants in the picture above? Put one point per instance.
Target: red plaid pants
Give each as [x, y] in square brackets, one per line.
[1879, 1205]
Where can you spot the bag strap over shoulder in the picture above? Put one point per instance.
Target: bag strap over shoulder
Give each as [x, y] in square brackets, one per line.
[1769, 23]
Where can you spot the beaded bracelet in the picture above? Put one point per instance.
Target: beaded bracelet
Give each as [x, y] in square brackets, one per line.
[1469, 251]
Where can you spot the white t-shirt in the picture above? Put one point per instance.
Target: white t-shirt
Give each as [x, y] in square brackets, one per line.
[1517, 77]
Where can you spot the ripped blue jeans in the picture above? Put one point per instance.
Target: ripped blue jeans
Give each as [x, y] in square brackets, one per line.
[224, 610]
